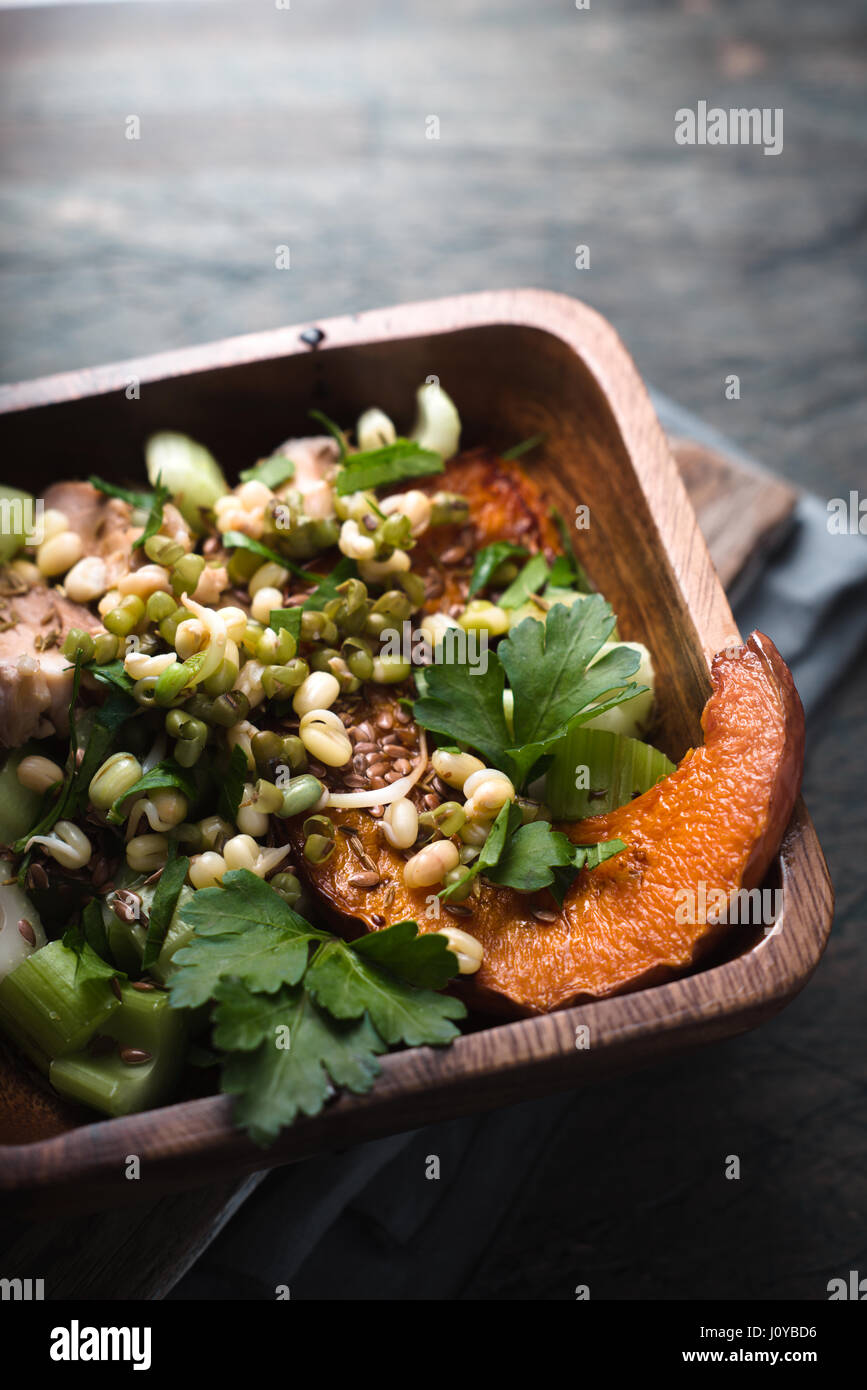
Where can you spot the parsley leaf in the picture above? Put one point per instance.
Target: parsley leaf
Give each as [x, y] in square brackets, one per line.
[286, 620]
[272, 471]
[165, 774]
[488, 561]
[236, 540]
[334, 430]
[155, 516]
[140, 500]
[165, 900]
[232, 784]
[327, 589]
[111, 673]
[468, 708]
[243, 929]
[422, 959]
[548, 665]
[391, 464]
[529, 858]
[528, 582]
[347, 984]
[276, 1082]
[508, 818]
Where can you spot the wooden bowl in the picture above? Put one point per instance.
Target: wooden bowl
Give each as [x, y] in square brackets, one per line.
[517, 363]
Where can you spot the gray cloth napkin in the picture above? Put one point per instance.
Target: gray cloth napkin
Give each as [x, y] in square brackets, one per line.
[373, 1222]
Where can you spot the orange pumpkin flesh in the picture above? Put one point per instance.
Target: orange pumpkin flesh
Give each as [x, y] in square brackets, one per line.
[714, 824]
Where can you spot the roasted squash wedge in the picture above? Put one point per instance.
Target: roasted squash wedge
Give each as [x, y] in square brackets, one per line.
[710, 828]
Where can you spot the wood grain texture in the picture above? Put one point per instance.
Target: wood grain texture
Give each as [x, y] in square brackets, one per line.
[531, 362]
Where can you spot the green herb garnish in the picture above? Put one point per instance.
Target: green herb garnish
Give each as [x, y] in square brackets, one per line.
[272, 471]
[232, 784]
[165, 774]
[165, 900]
[390, 464]
[155, 515]
[528, 582]
[140, 500]
[335, 431]
[552, 681]
[290, 1025]
[236, 540]
[286, 620]
[489, 560]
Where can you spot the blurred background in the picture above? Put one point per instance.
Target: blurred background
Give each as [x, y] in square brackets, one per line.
[260, 126]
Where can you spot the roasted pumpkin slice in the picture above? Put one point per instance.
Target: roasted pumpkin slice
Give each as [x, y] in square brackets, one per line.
[710, 828]
[504, 504]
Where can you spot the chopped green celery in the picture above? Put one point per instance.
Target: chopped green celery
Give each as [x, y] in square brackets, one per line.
[15, 907]
[632, 718]
[147, 1022]
[189, 471]
[126, 944]
[12, 535]
[19, 806]
[595, 771]
[45, 1011]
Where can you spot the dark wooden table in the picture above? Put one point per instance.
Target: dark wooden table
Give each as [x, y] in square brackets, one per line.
[306, 128]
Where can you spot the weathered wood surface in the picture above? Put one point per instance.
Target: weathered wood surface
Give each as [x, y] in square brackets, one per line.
[708, 262]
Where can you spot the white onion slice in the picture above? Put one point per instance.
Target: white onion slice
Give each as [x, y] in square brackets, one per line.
[382, 796]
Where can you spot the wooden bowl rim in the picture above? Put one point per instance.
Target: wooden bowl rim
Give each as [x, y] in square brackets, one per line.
[711, 1003]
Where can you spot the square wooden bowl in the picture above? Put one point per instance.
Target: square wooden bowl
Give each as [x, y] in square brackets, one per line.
[517, 363]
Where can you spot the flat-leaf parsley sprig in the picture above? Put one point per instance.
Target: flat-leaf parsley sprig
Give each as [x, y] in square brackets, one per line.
[297, 1011]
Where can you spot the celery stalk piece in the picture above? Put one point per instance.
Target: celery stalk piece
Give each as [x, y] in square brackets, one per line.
[15, 907]
[595, 771]
[19, 806]
[49, 1012]
[126, 943]
[147, 1022]
[189, 471]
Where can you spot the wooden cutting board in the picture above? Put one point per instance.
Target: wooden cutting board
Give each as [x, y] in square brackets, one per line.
[141, 1252]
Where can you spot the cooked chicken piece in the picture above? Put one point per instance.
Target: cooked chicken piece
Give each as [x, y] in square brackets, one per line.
[35, 676]
[102, 522]
[315, 459]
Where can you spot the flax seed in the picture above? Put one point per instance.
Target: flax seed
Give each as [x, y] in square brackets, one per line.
[403, 767]
[114, 983]
[355, 781]
[392, 777]
[144, 986]
[457, 910]
[377, 919]
[365, 730]
[542, 914]
[134, 1056]
[38, 876]
[385, 721]
[377, 769]
[375, 811]
[367, 880]
[377, 783]
[367, 746]
[431, 801]
[26, 930]
[455, 555]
